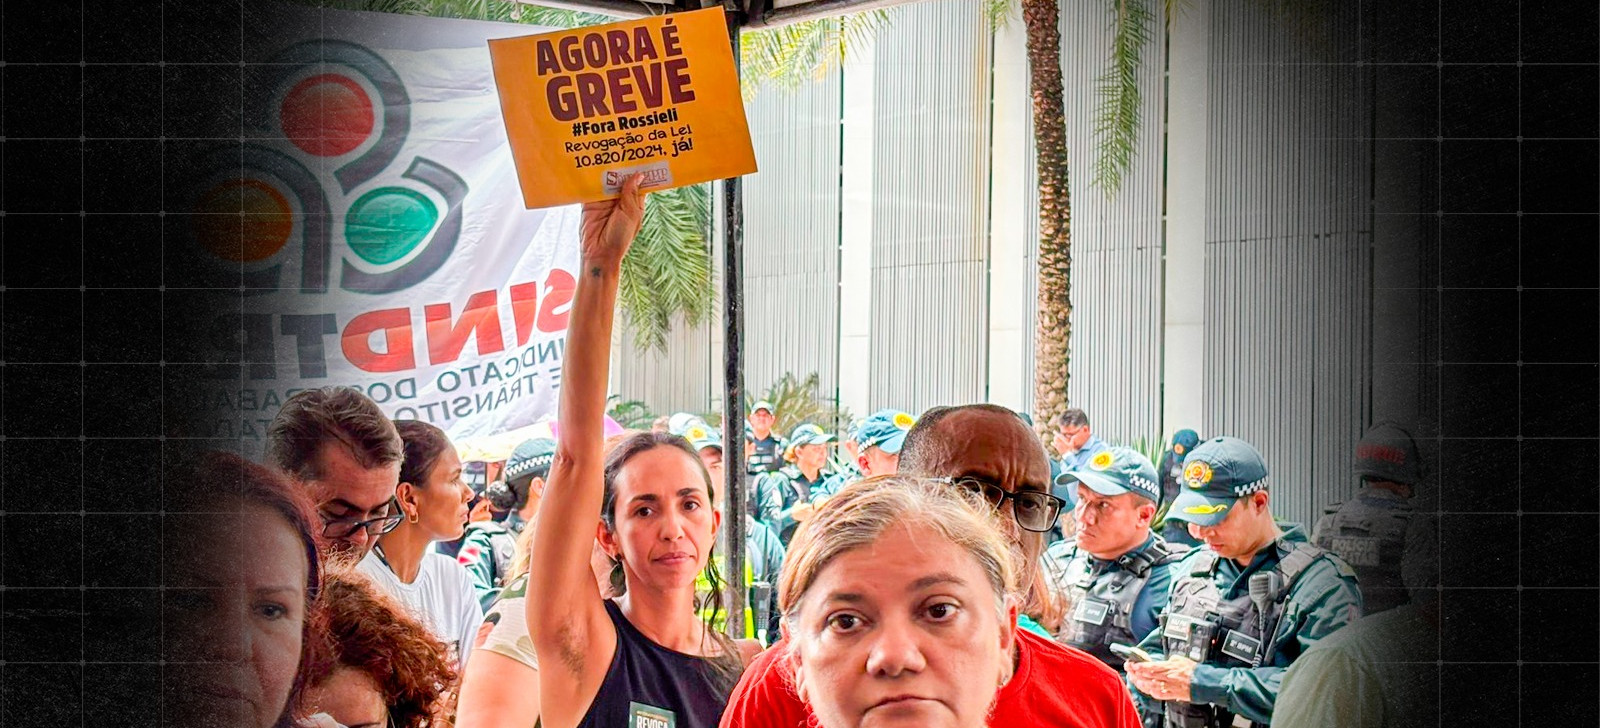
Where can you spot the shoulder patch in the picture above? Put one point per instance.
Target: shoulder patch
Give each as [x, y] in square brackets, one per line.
[1340, 565]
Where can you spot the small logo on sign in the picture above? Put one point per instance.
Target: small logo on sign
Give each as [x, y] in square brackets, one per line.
[655, 175]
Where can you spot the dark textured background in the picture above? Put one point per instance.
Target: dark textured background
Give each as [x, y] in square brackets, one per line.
[102, 103]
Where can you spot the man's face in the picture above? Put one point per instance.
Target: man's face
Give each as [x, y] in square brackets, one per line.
[811, 456]
[1074, 436]
[1238, 535]
[761, 421]
[348, 492]
[1111, 525]
[996, 447]
[711, 457]
[874, 461]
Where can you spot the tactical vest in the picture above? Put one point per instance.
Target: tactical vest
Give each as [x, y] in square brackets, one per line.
[502, 548]
[1102, 601]
[1203, 627]
[767, 456]
[1371, 537]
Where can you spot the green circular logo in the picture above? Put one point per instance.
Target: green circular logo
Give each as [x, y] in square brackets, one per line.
[387, 223]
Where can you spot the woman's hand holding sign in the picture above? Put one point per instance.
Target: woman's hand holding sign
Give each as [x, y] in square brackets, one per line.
[609, 226]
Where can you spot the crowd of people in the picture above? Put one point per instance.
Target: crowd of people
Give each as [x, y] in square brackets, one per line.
[940, 570]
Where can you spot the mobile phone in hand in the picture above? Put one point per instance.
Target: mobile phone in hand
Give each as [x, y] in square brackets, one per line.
[1130, 653]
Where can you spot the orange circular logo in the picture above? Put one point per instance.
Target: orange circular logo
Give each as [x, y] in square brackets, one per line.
[1101, 461]
[1197, 474]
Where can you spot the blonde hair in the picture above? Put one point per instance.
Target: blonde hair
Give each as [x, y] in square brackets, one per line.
[860, 513]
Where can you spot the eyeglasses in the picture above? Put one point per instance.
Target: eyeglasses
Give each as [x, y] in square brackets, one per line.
[1033, 510]
[345, 528]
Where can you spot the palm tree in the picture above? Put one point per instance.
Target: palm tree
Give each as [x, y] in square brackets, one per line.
[1055, 211]
[1116, 127]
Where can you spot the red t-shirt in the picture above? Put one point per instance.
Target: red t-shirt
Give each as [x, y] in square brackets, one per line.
[1054, 686]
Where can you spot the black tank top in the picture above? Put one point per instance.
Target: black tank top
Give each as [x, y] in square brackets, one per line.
[650, 686]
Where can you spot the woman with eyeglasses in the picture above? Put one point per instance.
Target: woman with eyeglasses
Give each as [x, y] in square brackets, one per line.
[375, 666]
[432, 501]
[646, 658]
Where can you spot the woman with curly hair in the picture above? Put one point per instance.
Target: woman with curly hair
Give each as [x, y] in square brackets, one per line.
[376, 666]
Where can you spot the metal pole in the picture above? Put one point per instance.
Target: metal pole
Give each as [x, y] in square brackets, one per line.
[733, 368]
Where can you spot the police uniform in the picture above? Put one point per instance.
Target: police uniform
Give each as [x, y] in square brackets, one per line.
[763, 551]
[488, 548]
[1243, 625]
[778, 494]
[486, 552]
[1115, 601]
[1376, 529]
[1171, 469]
[1119, 600]
[768, 451]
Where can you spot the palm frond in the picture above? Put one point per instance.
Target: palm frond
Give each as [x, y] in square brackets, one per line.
[792, 55]
[999, 13]
[1117, 118]
[799, 400]
[508, 11]
[667, 272]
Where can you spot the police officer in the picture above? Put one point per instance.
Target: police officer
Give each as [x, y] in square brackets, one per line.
[1113, 576]
[843, 461]
[1171, 470]
[763, 551]
[879, 440]
[488, 547]
[1243, 606]
[763, 448]
[786, 498]
[1374, 530]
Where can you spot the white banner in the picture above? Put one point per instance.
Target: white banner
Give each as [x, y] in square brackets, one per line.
[385, 230]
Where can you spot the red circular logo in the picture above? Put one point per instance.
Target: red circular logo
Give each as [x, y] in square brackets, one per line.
[327, 115]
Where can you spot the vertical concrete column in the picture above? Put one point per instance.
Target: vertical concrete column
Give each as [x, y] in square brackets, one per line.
[855, 231]
[1010, 246]
[1183, 335]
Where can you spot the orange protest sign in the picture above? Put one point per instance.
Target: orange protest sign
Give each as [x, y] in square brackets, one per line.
[585, 108]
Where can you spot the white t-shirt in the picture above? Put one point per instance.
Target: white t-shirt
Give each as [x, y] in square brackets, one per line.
[442, 597]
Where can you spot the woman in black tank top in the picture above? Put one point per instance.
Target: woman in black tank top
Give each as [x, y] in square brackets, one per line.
[646, 659]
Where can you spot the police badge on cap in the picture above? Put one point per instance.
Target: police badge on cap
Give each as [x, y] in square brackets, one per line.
[1116, 471]
[1217, 472]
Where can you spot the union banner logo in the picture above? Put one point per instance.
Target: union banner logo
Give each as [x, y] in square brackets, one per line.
[327, 122]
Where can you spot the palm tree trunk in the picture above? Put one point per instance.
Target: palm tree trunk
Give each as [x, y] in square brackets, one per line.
[1055, 208]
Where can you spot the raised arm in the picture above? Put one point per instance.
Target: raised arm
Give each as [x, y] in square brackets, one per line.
[572, 636]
